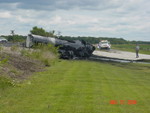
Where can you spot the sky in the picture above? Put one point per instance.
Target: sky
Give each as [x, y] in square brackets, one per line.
[128, 19]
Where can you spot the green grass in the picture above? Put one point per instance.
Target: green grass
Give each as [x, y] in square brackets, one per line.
[81, 87]
[144, 48]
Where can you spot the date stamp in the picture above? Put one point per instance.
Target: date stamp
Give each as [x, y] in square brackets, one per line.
[123, 102]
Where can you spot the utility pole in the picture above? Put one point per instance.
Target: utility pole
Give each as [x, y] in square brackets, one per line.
[12, 32]
[58, 34]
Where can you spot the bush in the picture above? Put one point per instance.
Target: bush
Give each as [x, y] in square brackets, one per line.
[47, 47]
[5, 82]
[1, 48]
[46, 62]
[14, 48]
[47, 54]
[36, 54]
[4, 61]
[25, 52]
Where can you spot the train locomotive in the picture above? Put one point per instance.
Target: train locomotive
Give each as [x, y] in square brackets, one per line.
[67, 49]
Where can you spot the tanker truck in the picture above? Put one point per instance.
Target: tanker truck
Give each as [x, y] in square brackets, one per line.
[67, 49]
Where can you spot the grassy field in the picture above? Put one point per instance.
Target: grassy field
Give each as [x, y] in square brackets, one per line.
[81, 87]
[144, 48]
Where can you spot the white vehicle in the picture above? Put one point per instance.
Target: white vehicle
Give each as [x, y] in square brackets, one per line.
[3, 40]
[104, 44]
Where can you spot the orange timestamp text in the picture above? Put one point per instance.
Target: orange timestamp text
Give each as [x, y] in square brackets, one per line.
[130, 102]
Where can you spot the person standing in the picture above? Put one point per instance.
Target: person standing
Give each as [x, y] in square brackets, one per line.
[137, 48]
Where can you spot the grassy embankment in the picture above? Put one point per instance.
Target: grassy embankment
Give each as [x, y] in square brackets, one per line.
[144, 48]
[81, 87]
[16, 64]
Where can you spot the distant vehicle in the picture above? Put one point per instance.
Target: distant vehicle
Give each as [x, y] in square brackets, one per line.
[104, 44]
[3, 40]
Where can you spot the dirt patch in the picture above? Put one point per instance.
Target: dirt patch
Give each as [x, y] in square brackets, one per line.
[19, 67]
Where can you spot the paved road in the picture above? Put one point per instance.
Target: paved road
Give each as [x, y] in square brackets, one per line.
[10, 44]
[121, 55]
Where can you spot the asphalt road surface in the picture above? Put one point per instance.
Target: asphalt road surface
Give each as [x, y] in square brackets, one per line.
[121, 55]
[10, 44]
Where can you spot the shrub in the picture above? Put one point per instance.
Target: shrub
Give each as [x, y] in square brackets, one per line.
[1, 48]
[14, 48]
[25, 52]
[5, 82]
[46, 62]
[47, 54]
[47, 47]
[4, 61]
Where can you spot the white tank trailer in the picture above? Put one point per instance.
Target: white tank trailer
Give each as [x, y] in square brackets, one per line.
[67, 49]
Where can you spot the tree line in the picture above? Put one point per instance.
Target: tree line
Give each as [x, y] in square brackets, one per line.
[14, 38]
[93, 40]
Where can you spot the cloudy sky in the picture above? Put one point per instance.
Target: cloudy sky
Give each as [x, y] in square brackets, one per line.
[128, 19]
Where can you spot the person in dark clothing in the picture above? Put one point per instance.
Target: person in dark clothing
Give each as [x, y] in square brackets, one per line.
[137, 50]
